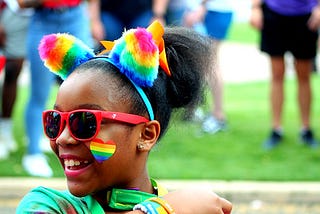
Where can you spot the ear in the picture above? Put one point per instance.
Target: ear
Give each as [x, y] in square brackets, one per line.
[149, 135]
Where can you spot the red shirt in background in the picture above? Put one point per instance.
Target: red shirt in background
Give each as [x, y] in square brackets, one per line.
[61, 3]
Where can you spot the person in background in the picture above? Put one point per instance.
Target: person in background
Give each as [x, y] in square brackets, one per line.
[216, 16]
[13, 29]
[175, 12]
[72, 16]
[110, 112]
[117, 15]
[288, 26]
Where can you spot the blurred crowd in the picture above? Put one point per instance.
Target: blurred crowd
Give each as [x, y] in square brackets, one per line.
[23, 24]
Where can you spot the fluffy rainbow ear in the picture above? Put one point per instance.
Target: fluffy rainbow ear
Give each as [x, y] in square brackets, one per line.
[62, 53]
[138, 54]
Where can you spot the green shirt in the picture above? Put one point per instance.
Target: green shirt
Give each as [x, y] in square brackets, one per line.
[46, 200]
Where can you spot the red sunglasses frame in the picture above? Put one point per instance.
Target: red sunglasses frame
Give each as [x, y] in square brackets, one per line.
[99, 115]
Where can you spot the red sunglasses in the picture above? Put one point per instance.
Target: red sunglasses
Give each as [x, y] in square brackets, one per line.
[83, 124]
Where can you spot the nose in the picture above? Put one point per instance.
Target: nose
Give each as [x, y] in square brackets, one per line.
[65, 138]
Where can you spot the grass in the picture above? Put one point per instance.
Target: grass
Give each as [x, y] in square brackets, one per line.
[236, 154]
[243, 32]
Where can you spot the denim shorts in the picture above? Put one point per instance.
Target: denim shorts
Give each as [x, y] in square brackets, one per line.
[16, 27]
[218, 24]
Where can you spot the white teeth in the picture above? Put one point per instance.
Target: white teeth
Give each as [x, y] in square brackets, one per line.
[70, 163]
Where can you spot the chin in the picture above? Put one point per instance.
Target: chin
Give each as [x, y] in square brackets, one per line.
[78, 191]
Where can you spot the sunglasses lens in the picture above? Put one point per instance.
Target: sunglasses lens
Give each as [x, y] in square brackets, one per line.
[52, 122]
[83, 125]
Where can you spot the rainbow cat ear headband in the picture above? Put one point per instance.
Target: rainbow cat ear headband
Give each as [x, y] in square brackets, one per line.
[62, 53]
[138, 53]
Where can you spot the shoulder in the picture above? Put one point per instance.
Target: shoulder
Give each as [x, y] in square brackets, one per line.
[46, 200]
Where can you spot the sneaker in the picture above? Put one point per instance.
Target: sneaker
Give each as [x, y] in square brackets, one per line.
[274, 139]
[307, 138]
[6, 136]
[212, 125]
[4, 152]
[37, 165]
[198, 115]
[8, 140]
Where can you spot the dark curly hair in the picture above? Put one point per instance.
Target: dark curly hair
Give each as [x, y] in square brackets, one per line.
[188, 55]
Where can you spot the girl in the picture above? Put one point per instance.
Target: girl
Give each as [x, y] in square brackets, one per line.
[110, 112]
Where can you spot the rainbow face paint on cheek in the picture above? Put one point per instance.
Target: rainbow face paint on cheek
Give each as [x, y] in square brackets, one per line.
[101, 150]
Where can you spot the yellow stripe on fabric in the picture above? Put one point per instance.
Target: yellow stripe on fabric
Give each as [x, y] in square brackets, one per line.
[105, 150]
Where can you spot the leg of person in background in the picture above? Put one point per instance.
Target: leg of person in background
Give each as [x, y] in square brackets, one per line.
[217, 24]
[15, 27]
[276, 100]
[73, 22]
[9, 92]
[315, 65]
[303, 70]
[216, 121]
[34, 161]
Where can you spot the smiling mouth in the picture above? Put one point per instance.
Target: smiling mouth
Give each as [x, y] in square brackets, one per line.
[73, 164]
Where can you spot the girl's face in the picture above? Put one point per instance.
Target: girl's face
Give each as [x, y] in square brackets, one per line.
[85, 175]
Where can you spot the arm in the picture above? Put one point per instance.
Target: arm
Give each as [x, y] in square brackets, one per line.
[314, 20]
[256, 18]
[159, 10]
[97, 27]
[190, 201]
[2, 36]
[196, 15]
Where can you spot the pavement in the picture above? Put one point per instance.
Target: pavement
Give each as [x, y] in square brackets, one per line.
[241, 63]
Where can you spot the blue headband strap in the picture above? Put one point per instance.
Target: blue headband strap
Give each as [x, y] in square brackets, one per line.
[138, 88]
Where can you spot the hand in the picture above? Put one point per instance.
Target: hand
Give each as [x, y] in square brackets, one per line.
[314, 20]
[256, 18]
[191, 18]
[200, 201]
[97, 30]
